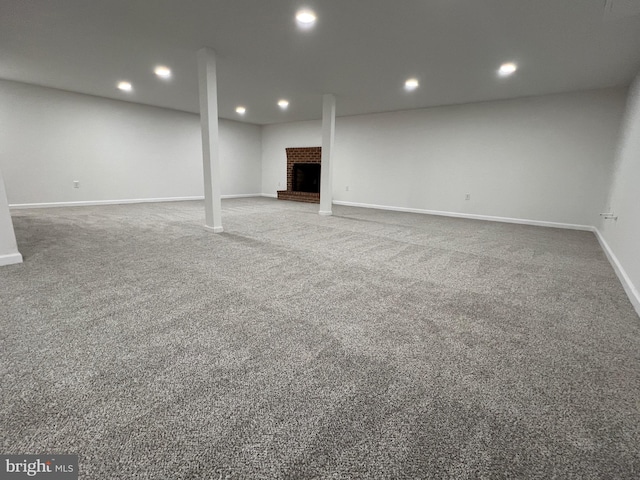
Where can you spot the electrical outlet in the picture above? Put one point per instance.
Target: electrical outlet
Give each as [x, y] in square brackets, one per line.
[346, 189]
[76, 184]
[467, 196]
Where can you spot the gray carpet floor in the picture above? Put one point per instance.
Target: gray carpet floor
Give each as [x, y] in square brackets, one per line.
[369, 344]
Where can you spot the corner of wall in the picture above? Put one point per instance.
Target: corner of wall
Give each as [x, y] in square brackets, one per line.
[628, 285]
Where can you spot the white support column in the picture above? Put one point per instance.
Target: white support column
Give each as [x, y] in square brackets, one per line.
[8, 246]
[210, 151]
[326, 169]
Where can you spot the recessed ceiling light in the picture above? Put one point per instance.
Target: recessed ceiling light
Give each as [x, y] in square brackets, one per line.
[162, 71]
[306, 18]
[241, 110]
[507, 69]
[125, 86]
[411, 84]
[283, 104]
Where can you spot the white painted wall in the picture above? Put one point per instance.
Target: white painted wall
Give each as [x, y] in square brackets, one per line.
[240, 157]
[8, 247]
[622, 237]
[116, 150]
[540, 158]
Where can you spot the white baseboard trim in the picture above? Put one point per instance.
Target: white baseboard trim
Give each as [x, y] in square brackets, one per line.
[629, 287]
[241, 195]
[89, 203]
[21, 206]
[270, 195]
[10, 259]
[214, 229]
[472, 216]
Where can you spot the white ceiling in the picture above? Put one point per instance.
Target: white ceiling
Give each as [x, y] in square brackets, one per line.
[360, 50]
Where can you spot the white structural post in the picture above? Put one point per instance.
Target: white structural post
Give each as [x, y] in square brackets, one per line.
[208, 87]
[326, 169]
[8, 246]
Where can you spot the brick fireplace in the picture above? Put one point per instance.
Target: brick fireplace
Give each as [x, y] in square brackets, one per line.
[303, 175]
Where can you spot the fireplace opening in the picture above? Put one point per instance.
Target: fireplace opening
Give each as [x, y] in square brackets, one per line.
[306, 177]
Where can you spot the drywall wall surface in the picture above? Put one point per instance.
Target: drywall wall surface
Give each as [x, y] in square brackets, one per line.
[623, 235]
[541, 158]
[240, 157]
[8, 247]
[50, 139]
